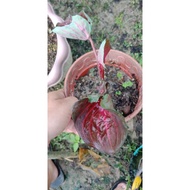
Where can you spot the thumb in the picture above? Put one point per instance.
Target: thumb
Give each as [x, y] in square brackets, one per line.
[59, 116]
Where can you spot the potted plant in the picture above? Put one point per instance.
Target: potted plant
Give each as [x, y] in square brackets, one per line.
[63, 58]
[108, 84]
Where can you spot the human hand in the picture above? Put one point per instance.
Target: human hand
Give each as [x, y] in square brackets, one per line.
[59, 114]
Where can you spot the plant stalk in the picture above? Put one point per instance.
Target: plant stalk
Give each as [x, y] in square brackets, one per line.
[100, 67]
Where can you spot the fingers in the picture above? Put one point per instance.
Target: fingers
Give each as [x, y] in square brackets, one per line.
[71, 128]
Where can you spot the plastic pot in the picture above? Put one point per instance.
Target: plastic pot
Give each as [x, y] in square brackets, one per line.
[122, 60]
[63, 59]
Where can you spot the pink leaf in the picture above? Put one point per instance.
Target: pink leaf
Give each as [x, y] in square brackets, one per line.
[100, 128]
[75, 27]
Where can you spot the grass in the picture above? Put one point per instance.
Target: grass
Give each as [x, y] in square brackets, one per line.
[119, 20]
[137, 57]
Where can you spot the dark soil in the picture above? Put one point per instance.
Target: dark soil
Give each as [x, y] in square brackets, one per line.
[124, 98]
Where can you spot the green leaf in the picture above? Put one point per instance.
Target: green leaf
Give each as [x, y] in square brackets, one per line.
[77, 138]
[118, 92]
[81, 141]
[79, 27]
[106, 102]
[65, 136]
[75, 147]
[72, 138]
[93, 98]
[127, 84]
[119, 75]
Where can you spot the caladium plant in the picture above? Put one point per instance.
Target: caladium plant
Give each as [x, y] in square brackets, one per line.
[96, 121]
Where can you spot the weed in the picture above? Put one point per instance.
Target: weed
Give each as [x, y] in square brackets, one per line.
[129, 182]
[118, 92]
[112, 39]
[105, 6]
[119, 75]
[138, 57]
[137, 30]
[100, 36]
[136, 3]
[72, 138]
[119, 20]
[131, 147]
[127, 44]
[127, 84]
[118, 165]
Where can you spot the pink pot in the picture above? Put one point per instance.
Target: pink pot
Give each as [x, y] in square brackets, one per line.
[63, 58]
[125, 62]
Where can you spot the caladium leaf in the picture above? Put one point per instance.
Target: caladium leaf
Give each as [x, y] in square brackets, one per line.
[76, 27]
[100, 128]
[103, 51]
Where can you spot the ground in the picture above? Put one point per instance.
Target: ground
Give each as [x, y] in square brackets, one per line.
[121, 22]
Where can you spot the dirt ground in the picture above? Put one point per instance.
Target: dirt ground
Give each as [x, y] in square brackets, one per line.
[121, 22]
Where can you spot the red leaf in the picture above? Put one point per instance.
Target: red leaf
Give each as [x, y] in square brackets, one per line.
[98, 127]
[103, 51]
[107, 48]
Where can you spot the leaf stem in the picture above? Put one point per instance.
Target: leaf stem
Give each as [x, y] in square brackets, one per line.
[100, 67]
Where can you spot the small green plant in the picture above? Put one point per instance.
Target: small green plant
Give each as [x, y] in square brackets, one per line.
[119, 20]
[135, 3]
[138, 57]
[118, 92]
[72, 138]
[128, 179]
[127, 44]
[131, 147]
[118, 165]
[112, 39]
[127, 84]
[105, 6]
[119, 75]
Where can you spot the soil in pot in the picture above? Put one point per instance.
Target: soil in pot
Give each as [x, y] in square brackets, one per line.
[123, 90]
[52, 45]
